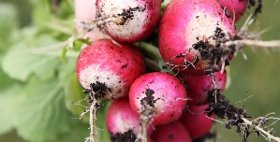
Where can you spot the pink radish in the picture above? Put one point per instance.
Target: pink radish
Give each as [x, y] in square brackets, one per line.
[236, 8]
[191, 33]
[161, 91]
[122, 121]
[105, 65]
[200, 86]
[128, 20]
[85, 11]
[172, 132]
[196, 121]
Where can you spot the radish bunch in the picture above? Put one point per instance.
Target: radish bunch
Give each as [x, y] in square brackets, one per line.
[157, 105]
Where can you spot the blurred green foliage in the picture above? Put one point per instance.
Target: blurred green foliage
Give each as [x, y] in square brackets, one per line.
[37, 89]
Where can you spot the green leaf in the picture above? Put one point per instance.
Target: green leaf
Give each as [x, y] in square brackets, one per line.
[8, 24]
[5, 82]
[6, 99]
[78, 43]
[39, 113]
[41, 12]
[78, 132]
[8, 89]
[74, 97]
[8, 16]
[21, 62]
[101, 123]
[63, 54]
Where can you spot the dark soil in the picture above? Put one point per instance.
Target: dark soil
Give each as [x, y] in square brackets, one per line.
[223, 109]
[215, 54]
[97, 91]
[128, 136]
[129, 14]
[149, 99]
[125, 15]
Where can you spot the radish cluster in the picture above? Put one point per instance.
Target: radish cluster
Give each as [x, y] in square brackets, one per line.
[157, 105]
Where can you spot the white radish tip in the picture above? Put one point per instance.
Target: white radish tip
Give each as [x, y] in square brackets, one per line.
[92, 74]
[199, 27]
[123, 19]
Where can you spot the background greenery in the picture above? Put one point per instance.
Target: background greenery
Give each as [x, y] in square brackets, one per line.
[37, 87]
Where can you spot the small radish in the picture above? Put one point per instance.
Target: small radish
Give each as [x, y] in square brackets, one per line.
[128, 20]
[112, 69]
[85, 11]
[200, 86]
[172, 132]
[191, 33]
[196, 121]
[159, 96]
[236, 8]
[122, 122]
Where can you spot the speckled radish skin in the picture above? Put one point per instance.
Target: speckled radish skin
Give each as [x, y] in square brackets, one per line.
[185, 23]
[235, 7]
[106, 62]
[199, 86]
[172, 132]
[120, 118]
[128, 20]
[196, 122]
[169, 93]
[85, 13]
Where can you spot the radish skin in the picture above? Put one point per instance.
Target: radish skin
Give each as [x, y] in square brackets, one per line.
[200, 86]
[169, 96]
[85, 13]
[172, 132]
[187, 24]
[196, 121]
[105, 62]
[236, 8]
[128, 20]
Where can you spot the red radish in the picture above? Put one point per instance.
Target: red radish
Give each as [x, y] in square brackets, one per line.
[236, 8]
[196, 121]
[172, 132]
[190, 35]
[122, 121]
[128, 20]
[85, 11]
[108, 66]
[120, 118]
[164, 92]
[199, 86]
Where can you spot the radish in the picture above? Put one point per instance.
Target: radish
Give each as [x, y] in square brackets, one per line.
[128, 20]
[106, 68]
[172, 132]
[106, 71]
[122, 122]
[196, 121]
[191, 33]
[200, 86]
[236, 8]
[85, 11]
[160, 95]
